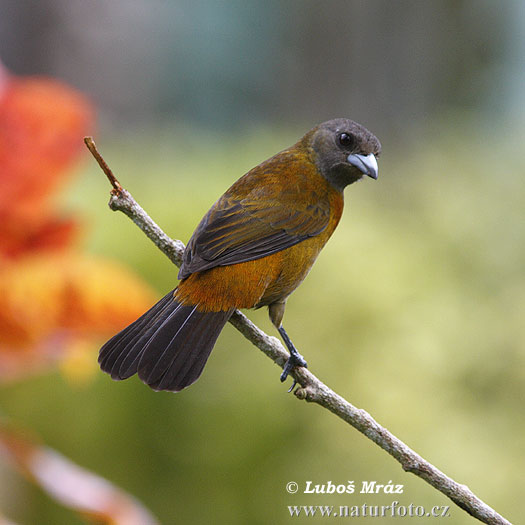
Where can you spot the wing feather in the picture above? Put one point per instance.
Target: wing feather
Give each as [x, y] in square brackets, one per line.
[247, 224]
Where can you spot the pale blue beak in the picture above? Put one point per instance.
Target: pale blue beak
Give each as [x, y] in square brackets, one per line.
[365, 163]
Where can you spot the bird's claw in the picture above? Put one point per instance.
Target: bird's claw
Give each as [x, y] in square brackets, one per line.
[293, 361]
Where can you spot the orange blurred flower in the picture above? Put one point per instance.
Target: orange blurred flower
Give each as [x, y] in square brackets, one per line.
[41, 125]
[51, 296]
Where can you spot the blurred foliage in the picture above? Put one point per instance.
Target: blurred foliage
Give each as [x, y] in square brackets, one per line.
[55, 301]
[414, 311]
[69, 484]
[73, 297]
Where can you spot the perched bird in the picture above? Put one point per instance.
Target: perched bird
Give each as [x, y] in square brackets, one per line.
[253, 248]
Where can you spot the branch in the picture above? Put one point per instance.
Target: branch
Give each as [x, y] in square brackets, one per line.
[311, 389]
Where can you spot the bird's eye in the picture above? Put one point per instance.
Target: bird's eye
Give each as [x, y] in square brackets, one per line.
[346, 140]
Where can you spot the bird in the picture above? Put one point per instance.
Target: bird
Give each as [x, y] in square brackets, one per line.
[252, 249]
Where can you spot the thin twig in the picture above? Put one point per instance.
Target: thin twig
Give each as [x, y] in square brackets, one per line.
[311, 389]
[92, 147]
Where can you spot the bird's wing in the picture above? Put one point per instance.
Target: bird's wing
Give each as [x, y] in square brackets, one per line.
[243, 229]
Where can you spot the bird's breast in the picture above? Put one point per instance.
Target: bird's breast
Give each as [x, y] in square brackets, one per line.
[295, 262]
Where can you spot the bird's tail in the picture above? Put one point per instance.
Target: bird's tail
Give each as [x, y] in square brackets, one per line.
[168, 346]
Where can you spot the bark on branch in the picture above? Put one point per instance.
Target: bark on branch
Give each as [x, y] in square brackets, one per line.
[311, 388]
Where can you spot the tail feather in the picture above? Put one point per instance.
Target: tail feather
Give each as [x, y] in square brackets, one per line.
[127, 363]
[187, 364]
[123, 346]
[153, 364]
[168, 346]
[136, 348]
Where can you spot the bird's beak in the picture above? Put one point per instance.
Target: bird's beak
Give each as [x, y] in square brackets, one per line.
[365, 163]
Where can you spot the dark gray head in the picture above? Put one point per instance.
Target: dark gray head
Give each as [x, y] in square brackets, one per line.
[343, 150]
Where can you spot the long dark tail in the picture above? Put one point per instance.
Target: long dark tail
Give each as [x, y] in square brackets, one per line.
[168, 346]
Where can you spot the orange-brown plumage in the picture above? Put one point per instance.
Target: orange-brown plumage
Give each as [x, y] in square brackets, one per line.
[307, 198]
[253, 248]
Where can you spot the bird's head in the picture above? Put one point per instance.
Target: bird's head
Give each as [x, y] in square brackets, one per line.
[344, 151]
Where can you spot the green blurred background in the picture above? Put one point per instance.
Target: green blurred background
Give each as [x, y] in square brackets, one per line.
[415, 309]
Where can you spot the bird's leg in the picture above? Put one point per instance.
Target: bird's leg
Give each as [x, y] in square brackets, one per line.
[276, 311]
[295, 359]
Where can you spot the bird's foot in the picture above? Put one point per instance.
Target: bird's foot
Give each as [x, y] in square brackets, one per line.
[295, 359]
